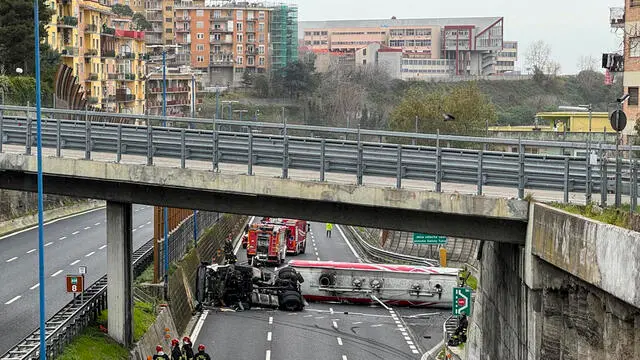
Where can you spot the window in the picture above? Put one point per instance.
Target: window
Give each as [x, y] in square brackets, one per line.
[324, 33]
[261, 49]
[200, 12]
[250, 61]
[261, 27]
[216, 37]
[239, 49]
[261, 61]
[168, 20]
[239, 15]
[199, 24]
[261, 38]
[634, 46]
[200, 36]
[217, 27]
[169, 31]
[239, 27]
[239, 38]
[633, 96]
[200, 47]
[200, 58]
[364, 52]
[239, 60]
[261, 15]
[216, 49]
[364, 62]
[168, 8]
[216, 14]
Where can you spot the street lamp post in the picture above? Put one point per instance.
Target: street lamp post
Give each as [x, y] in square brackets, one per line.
[582, 108]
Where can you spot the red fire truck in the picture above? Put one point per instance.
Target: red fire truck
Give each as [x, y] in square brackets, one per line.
[296, 236]
[266, 244]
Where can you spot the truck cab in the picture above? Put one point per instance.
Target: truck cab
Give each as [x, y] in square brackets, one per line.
[266, 244]
[296, 235]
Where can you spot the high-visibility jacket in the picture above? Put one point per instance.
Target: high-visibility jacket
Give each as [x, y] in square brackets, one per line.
[162, 356]
[202, 356]
[329, 226]
[187, 351]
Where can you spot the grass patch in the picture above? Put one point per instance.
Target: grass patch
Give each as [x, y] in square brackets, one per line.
[146, 276]
[610, 215]
[95, 344]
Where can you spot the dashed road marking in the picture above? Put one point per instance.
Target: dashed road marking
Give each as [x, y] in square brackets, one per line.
[335, 325]
[75, 233]
[13, 258]
[102, 247]
[339, 341]
[140, 227]
[318, 258]
[269, 336]
[376, 325]
[30, 251]
[75, 262]
[357, 323]
[331, 310]
[270, 320]
[62, 238]
[267, 355]
[34, 286]
[87, 227]
[56, 273]
[89, 254]
[47, 244]
[344, 357]
[134, 230]
[12, 300]
[148, 222]
[316, 253]
[308, 316]
[96, 224]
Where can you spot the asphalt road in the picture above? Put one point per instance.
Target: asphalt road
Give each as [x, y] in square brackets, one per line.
[322, 330]
[69, 243]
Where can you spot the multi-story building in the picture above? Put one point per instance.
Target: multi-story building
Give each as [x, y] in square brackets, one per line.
[181, 90]
[628, 19]
[507, 57]
[159, 13]
[430, 47]
[107, 61]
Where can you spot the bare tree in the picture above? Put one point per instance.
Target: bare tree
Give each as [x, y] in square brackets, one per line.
[538, 56]
[587, 62]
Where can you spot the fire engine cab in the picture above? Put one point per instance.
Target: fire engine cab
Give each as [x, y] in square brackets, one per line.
[266, 244]
[296, 236]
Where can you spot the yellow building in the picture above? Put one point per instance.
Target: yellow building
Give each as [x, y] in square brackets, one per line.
[107, 61]
[573, 122]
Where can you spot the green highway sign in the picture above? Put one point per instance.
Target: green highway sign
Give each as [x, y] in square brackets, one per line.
[461, 301]
[428, 239]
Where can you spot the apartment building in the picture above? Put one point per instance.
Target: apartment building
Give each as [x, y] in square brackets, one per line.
[430, 47]
[108, 61]
[159, 14]
[181, 90]
[628, 19]
[507, 57]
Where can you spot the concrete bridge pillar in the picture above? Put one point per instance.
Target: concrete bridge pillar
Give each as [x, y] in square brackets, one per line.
[120, 272]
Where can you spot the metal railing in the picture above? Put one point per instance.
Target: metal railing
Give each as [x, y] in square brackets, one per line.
[236, 142]
[62, 327]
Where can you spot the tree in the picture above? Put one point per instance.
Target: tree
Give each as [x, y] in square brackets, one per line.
[122, 10]
[16, 33]
[261, 85]
[538, 57]
[141, 23]
[587, 62]
[470, 107]
[247, 79]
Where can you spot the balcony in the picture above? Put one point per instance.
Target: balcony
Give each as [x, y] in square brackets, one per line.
[122, 76]
[92, 77]
[68, 21]
[125, 97]
[109, 98]
[616, 16]
[91, 28]
[126, 55]
[144, 57]
[69, 51]
[183, 30]
[132, 34]
[221, 18]
[91, 52]
[170, 90]
[92, 100]
[221, 63]
[108, 53]
[183, 18]
[108, 31]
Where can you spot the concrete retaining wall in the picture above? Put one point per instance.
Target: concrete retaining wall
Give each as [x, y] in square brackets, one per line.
[156, 335]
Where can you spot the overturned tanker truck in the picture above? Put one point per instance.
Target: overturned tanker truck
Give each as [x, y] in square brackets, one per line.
[244, 287]
[360, 283]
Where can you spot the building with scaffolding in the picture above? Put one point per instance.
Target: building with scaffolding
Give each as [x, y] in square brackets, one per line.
[284, 36]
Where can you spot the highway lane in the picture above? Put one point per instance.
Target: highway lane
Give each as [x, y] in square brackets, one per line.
[322, 330]
[69, 243]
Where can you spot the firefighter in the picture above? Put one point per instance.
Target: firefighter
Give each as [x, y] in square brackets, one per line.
[201, 355]
[176, 354]
[329, 228]
[160, 355]
[187, 348]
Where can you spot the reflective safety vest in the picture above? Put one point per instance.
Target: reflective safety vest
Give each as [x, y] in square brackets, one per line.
[329, 226]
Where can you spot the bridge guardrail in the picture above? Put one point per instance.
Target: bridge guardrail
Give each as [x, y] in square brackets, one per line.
[62, 327]
[436, 164]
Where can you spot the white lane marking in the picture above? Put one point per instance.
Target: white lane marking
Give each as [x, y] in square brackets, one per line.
[75, 262]
[56, 273]
[357, 323]
[149, 222]
[50, 222]
[335, 325]
[376, 325]
[339, 341]
[75, 233]
[404, 333]
[331, 310]
[269, 336]
[308, 316]
[96, 224]
[411, 344]
[134, 230]
[344, 237]
[270, 320]
[415, 351]
[12, 300]
[89, 254]
[30, 251]
[47, 244]
[316, 253]
[87, 228]
[344, 357]
[198, 327]
[319, 317]
[102, 247]
[62, 238]
[140, 227]
[406, 338]
[34, 286]
[267, 356]
[13, 258]
[318, 258]
[315, 248]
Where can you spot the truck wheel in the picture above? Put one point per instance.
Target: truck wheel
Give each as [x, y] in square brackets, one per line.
[304, 247]
[291, 301]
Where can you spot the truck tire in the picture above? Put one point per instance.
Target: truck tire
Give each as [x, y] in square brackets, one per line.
[327, 280]
[291, 301]
[304, 247]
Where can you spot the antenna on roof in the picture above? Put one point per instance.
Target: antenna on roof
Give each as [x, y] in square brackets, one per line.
[393, 18]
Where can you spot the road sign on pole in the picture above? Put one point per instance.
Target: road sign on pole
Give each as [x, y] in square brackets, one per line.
[75, 284]
[428, 239]
[461, 301]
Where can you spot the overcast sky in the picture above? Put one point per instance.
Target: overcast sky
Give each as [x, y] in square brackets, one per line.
[572, 27]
